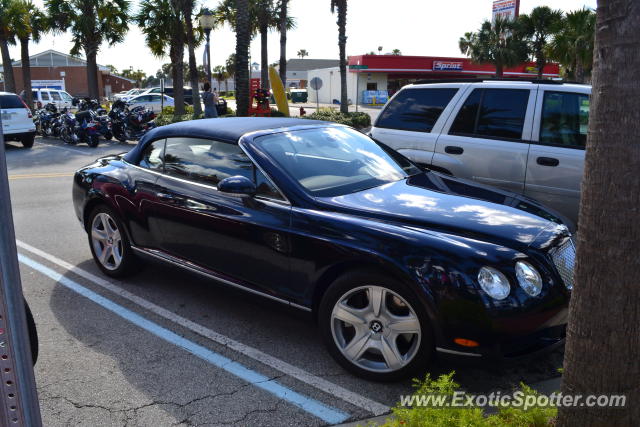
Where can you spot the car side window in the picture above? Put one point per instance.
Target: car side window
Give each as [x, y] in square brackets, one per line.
[264, 187]
[152, 156]
[415, 109]
[56, 96]
[45, 95]
[205, 161]
[66, 96]
[565, 119]
[499, 113]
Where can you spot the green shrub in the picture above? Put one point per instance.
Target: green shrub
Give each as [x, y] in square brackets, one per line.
[468, 416]
[357, 120]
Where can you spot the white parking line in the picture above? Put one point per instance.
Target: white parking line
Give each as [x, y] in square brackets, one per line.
[74, 150]
[266, 359]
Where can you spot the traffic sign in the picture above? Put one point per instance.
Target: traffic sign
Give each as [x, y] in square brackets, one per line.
[316, 83]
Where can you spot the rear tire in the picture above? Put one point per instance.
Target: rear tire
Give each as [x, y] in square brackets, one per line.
[28, 140]
[386, 341]
[93, 141]
[108, 136]
[109, 243]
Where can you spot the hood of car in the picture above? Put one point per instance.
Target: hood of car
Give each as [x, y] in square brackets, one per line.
[439, 203]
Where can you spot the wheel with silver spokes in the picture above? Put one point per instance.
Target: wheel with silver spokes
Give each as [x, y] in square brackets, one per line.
[375, 330]
[108, 241]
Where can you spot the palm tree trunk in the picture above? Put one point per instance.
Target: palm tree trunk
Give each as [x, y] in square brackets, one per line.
[264, 57]
[283, 41]
[9, 80]
[243, 38]
[177, 59]
[499, 69]
[26, 72]
[541, 62]
[603, 337]
[92, 71]
[579, 70]
[342, 43]
[193, 67]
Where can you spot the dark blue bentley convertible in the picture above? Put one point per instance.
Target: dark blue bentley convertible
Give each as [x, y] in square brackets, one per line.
[395, 262]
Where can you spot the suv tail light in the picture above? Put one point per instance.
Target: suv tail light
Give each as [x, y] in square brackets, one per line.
[27, 107]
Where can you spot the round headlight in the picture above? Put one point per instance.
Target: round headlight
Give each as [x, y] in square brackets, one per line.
[494, 283]
[528, 278]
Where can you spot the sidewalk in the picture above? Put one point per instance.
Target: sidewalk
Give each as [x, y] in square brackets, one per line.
[543, 387]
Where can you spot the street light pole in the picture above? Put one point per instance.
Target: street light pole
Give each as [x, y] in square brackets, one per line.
[207, 32]
[207, 22]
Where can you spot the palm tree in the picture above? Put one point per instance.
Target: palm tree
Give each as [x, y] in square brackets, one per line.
[266, 15]
[8, 11]
[220, 74]
[91, 22]
[302, 53]
[606, 317]
[396, 52]
[498, 43]
[187, 7]
[164, 33]
[230, 66]
[243, 39]
[282, 27]
[341, 5]
[29, 24]
[573, 45]
[539, 26]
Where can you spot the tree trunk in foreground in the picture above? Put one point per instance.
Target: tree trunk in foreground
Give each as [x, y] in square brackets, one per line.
[264, 57]
[603, 343]
[193, 67]
[243, 37]
[92, 72]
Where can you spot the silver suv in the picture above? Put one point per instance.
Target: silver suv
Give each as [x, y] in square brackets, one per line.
[525, 137]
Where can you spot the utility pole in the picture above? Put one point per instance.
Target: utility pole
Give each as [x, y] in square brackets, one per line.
[18, 396]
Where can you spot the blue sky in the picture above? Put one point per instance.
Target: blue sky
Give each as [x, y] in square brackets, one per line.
[416, 27]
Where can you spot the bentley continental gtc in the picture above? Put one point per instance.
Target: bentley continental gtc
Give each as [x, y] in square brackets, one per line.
[396, 263]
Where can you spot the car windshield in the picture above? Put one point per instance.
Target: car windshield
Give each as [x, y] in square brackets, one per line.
[333, 161]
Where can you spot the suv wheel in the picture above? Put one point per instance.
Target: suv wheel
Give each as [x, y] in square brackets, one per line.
[27, 140]
[375, 327]
[109, 243]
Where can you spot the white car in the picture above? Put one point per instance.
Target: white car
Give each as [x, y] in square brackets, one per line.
[125, 96]
[151, 101]
[17, 121]
[59, 98]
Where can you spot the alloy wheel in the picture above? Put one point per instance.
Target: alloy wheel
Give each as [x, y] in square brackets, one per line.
[107, 241]
[376, 329]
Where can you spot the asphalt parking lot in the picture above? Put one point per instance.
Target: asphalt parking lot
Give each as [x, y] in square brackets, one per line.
[169, 348]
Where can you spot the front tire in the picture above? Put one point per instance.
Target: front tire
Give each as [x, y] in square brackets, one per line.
[27, 140]
[109, 243]
[375, 327]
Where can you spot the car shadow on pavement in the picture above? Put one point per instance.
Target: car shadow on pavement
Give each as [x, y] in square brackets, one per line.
[164, 373]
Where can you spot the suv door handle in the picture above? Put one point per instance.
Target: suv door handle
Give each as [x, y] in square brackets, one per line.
[451, 149]
[547, 161]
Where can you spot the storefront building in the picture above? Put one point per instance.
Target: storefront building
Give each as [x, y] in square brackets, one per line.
[372, 79]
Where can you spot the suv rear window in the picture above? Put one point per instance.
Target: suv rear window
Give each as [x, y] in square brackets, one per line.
[492, 113]
[10, 101]
[565, 119]
[415, 109]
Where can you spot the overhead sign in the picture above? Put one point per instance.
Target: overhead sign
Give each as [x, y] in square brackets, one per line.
[506, 9]
[47, 84]
[358, 67]
[447, 66]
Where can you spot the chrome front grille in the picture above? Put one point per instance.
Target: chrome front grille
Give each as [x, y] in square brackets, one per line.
[564, 258]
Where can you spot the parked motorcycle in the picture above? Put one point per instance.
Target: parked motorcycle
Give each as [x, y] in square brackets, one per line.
[80, 127]
[100, 116]
[46, 121]
[130, 124]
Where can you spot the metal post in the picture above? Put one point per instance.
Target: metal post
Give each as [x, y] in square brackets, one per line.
[208, 33]
[18, 396]
[357, 89]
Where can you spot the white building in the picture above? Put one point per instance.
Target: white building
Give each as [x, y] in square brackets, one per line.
[357, 83]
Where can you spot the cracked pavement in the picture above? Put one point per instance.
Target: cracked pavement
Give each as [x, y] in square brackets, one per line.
[97, 369]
